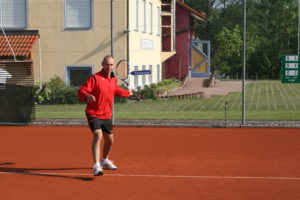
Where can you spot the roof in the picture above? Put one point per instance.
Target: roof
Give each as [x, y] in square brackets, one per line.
[20, 41]
[192, 11]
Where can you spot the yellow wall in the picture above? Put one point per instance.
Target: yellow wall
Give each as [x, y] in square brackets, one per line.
[61, 47]
[142, 56]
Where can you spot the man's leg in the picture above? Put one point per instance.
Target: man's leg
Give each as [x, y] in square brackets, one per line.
[97, 136]
[108, 142]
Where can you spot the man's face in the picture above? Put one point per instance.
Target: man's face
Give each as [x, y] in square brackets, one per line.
[108, 65]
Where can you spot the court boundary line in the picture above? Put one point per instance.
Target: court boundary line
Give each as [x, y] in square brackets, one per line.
[159, 176]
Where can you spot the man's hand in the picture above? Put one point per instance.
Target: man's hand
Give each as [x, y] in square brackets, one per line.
[90, 98]
[130, 92]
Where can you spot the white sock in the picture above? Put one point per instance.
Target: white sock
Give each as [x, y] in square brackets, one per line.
[104, 160]
[97, 164]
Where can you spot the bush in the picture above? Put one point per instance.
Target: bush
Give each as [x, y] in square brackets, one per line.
[120, 99]
[148, 93]
[66, 95]
[153, 86]
[41, 94]
[55, 83]
[55, 92]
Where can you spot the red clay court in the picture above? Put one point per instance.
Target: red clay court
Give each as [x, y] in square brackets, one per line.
[154, 163]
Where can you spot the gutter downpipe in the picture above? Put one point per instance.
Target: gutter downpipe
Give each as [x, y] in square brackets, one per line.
[40, 62]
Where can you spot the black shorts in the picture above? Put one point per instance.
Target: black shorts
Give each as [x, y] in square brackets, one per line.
[96, 123]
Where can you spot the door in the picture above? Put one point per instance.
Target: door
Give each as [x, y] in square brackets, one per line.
[200, 58]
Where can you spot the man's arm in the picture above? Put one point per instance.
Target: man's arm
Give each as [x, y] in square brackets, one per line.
[84, 92]
[122, 92]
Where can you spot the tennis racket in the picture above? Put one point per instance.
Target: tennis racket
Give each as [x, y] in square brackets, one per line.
[122, 72]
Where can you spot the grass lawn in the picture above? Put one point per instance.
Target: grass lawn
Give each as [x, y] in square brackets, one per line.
[265, 100]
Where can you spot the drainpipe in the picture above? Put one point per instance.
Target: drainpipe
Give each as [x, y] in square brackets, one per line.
[174, 25]
[112, 27]
[40, 61]
[127, 30]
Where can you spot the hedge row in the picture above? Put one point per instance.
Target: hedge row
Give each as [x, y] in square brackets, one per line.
[57, 92]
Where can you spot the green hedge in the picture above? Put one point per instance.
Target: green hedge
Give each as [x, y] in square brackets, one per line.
[57, 92]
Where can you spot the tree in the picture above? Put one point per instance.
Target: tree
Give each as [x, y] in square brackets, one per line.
[271, 32]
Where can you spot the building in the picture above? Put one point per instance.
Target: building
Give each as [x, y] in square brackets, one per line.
[74, 35]
[192, 56]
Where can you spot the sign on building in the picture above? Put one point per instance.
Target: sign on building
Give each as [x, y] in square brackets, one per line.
[290, 69]
[141, 72]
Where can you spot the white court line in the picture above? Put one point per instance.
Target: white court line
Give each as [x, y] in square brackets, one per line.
[162, 176]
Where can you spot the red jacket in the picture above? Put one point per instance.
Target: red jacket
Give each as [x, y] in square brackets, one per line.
[104, 90]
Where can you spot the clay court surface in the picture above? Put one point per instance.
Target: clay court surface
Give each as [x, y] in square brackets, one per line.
[154, 163]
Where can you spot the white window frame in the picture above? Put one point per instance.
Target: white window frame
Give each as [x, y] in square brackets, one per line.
[151, 18]
[158, 73]
[144, 76]
[150, 75]
[89, 15]
[144, 16]
[136, 15]
[136, 78]
[158, 21]
[14, 19]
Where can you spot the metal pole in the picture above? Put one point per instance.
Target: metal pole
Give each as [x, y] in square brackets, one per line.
[112, 46]
[244, 67]
[298, 26]
[225, 113]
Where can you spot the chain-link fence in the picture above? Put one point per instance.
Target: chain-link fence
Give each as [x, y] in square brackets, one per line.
[202, 82]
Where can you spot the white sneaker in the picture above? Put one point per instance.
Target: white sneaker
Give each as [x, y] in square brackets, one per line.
[108, 164]
[98, 171]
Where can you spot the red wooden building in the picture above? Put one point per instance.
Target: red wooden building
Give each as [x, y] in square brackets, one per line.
[178, 65]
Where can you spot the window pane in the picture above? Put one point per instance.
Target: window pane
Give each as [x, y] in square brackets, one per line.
[144, 76]
[136, 78]
[158, 73]
[78, 14]
[136, 15]
[144, 16]
[13, 14]
[158, 21]
[150, 17]
[150, 75]
[76, 76]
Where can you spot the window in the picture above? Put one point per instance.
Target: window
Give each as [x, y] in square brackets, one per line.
[158, 21]
[144, 76]
[77, 75]
[136, 78]
[144, 16]
[158, 73]
[136, 15]
[150, 18]
[150, 75]
[78, 14]
[13, 14]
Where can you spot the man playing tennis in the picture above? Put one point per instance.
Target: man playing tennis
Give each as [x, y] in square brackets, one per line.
[98, 92]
